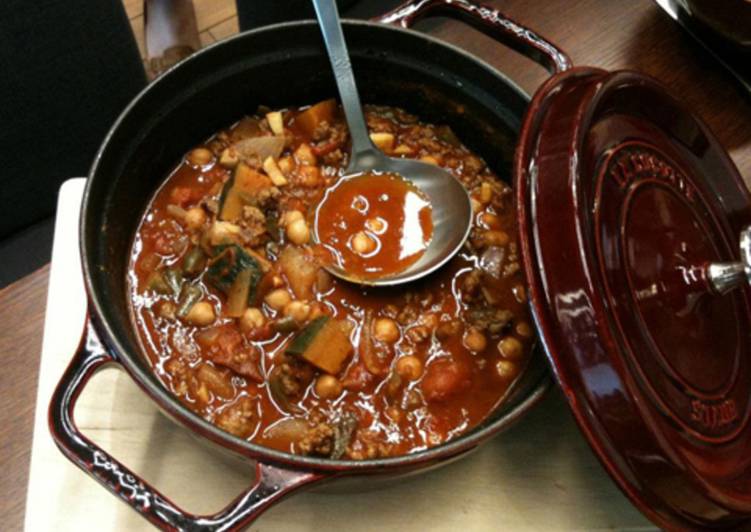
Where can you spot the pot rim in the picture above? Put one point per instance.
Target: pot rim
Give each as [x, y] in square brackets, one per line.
[169, 403]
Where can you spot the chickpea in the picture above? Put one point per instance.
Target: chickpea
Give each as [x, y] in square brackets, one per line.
[496, 238]
[200, 157]
[474, 340]
[510, 348]
[298, 232]
[490, 220]
[290, 217]
[362, 243]
[195, 217]
[523, 329]
[409, 367]
[328, 387]
[377, 225]
[386, 330]
[251, 320]
[505, 369]
[278, 299]
[297, 310]
[520, 293]
[201, 314]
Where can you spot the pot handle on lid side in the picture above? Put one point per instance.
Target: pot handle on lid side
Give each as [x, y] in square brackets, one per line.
[488, 20]
[272, 483]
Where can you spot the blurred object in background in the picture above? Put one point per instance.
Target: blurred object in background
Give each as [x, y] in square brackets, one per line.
[171, 33]
[730, 19]
[257, 13]
[722, 27]
[69, 67]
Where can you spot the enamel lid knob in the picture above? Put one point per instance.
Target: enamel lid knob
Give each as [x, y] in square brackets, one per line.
[633, 224]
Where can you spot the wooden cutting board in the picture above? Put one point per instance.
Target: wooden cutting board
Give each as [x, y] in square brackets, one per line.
[539, 475]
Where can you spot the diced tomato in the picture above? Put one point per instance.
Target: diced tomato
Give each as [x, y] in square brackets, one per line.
[357, 379]
[443, 379]
[180, 196]
[262, 333]
[229, 340]
[324, 149]
[163, 245]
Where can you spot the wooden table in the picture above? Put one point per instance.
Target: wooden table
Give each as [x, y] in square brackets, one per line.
[611, 34]
[22, 318]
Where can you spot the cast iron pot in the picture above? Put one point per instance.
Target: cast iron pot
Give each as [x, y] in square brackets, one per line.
[279, 66]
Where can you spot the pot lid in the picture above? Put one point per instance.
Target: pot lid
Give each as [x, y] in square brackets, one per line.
[630, 213]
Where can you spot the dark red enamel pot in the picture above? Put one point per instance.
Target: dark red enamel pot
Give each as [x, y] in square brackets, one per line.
[645, 326]
[278, 66]
[630, 214]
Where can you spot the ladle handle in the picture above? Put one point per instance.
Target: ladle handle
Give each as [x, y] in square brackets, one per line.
[723, 277]
[488, 20]
[364, 153]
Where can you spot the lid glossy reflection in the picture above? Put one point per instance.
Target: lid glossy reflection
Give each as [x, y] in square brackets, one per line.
[625, 197]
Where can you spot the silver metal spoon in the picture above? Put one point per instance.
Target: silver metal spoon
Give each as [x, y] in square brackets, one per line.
[452, 210]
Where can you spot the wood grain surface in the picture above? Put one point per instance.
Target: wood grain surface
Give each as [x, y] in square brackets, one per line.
[21, 321]
[611, 34]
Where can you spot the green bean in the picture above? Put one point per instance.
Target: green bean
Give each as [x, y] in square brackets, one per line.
[191, 294]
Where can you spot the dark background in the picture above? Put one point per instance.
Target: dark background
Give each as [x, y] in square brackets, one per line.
[67, 70]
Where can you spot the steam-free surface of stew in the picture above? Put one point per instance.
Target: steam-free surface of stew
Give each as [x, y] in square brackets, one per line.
[374, 225]
[242, 323]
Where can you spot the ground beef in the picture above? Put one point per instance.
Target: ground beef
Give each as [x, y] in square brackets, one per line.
[408, 315]
[471, 285]
[179, 371]
[294, 377]
[490, 319]
[240, 418]
[253, 226]
[318, 440]
[366, 445]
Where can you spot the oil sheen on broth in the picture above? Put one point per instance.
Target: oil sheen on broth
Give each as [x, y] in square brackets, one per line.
[242, 323]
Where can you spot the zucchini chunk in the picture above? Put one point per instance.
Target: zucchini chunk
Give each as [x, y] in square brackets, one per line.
[236, 274]
[240, 190]
[324, 343]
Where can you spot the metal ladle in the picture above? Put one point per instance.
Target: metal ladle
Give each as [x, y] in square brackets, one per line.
[450, 202]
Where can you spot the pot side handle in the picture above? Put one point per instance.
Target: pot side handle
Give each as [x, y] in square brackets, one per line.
[488, 20]
[272, 483]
